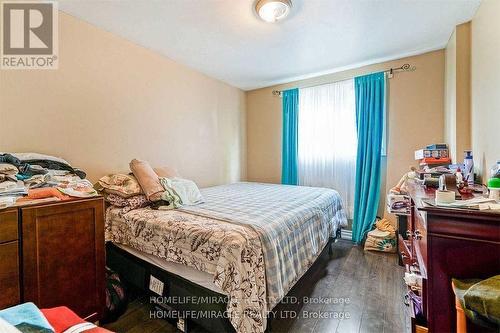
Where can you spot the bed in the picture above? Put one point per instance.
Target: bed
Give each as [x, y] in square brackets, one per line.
[248, 242]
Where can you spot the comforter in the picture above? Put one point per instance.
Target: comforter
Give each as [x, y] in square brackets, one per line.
[256, 239]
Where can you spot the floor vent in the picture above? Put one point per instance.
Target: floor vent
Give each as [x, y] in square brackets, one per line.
[346, 234]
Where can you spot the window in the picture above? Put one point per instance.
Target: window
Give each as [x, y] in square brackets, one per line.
[327, 139]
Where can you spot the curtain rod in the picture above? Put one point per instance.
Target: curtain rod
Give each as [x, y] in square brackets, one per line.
[390, 73]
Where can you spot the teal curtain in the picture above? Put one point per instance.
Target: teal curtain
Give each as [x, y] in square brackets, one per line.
[289, 154]
[370, 111]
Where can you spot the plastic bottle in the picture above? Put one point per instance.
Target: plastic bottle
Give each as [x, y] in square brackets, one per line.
[460, 177]
[495, 170]
[468, 168]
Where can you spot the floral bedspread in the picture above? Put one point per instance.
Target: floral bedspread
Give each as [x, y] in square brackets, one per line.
[232, 253]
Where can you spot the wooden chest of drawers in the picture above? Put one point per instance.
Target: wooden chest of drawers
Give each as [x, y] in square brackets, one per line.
[10, 293]
[53, 255]
[445, 244]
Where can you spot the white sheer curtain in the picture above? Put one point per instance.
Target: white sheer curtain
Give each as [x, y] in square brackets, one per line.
[328, 139]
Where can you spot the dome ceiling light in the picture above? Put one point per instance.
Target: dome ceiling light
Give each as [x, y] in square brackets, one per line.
[273, 10]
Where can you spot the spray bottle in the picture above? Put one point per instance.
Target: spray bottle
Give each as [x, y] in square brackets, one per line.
[468, 168]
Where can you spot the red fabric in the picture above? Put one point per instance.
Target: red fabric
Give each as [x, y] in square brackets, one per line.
[46, 192]
[61, 318]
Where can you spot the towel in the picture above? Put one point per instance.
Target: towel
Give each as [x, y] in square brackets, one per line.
[46, 192]
[480, 300]
[187, 191]
[169, 200]
[26, 317]
[5, 327]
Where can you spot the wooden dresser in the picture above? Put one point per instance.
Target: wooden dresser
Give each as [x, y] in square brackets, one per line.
[52, 254]
[442, 244]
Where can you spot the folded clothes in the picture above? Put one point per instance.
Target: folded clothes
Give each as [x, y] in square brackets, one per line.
[5, 327]
[37, 181]
[55, 165]
[26, 317]
[38, 156]
[147, 178]
[81, 189]
[20, 172]
[7, 185]
[8, 169]
[24, 167]
[11, 188]
[7, 202]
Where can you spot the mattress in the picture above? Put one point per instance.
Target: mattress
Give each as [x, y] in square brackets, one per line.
[200, 278]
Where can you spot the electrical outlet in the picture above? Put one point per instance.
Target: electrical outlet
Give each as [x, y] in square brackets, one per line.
[155, 285]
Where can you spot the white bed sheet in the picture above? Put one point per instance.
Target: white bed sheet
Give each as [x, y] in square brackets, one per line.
[201, 278]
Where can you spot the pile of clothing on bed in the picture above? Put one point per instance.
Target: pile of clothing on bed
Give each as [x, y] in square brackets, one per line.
[30, 176]
[160, 188]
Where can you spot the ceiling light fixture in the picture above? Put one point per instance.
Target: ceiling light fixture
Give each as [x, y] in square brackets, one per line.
[273, 10]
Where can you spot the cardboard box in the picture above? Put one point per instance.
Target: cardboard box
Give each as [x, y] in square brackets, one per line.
[431, 153]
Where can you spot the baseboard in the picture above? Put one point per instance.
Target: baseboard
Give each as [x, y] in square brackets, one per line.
[346, 234]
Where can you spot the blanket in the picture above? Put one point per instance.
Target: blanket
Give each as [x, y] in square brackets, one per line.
[294, 224]
[256, 239]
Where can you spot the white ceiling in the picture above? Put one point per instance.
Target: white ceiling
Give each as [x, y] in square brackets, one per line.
[226, 40]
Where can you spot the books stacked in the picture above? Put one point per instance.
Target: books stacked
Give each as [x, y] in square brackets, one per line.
[434, 160]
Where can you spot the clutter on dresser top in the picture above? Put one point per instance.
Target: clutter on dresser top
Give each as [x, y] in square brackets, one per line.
[27, 178]
[455, 184]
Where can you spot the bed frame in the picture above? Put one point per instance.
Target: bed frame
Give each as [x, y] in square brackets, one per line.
[136, 274]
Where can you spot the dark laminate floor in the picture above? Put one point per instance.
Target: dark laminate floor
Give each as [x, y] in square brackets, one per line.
[370, 283]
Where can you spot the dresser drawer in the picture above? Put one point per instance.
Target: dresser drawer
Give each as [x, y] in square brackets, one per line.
[9, 274]
[8, 226]
[404, 248]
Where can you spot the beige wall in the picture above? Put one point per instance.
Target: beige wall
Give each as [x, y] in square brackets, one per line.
[415, 117]
[450, 94]
[111, 101]
[457, 109]
[486, 86]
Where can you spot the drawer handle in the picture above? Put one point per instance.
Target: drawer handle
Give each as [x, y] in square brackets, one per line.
[408, 234]
[417, 235]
